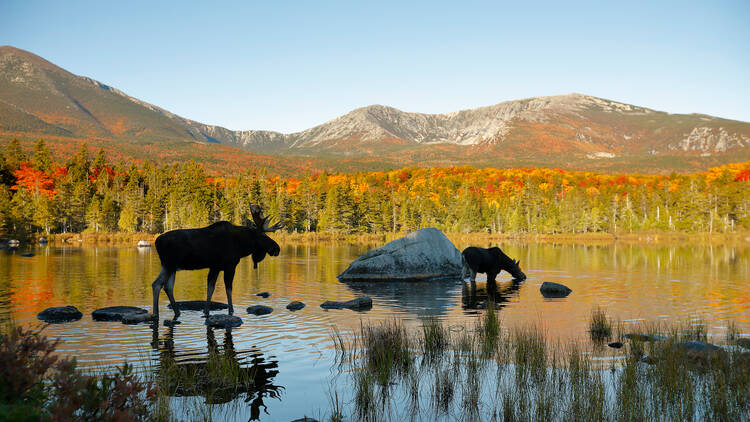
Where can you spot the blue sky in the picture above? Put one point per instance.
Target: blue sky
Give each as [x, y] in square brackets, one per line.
[287, 66]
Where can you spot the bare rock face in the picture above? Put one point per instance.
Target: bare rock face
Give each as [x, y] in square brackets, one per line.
[425, 254]
[60, 314]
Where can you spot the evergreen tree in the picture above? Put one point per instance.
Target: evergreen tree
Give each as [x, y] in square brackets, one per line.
[41, 160]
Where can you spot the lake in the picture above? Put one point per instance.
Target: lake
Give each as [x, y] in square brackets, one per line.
[634, 282]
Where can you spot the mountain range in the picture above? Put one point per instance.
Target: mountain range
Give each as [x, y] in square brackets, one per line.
[574, 131]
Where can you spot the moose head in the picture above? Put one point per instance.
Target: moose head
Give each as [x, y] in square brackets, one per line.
[218, 247]
[261, 226]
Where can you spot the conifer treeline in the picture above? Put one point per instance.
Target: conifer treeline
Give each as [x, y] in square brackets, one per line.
[39, 194]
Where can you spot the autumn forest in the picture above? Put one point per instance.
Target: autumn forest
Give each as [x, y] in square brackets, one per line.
[40, 193]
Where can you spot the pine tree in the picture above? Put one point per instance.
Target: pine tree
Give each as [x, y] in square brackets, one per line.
[41, 160]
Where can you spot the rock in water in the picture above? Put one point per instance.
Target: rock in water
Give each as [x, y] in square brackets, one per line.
[115, 313]
[549, 289]
[198, 305]
[295, 306]
[223, 321]
[60, 314]
[259, 310]
[263, 294]
[645, 337]
[360, 303]
[425, 254]
[138, 318]
[143, 244]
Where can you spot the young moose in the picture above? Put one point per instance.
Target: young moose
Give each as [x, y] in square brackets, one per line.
[218, 247]
[490, 261]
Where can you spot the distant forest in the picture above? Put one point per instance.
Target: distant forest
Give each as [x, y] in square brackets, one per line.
[44, 194]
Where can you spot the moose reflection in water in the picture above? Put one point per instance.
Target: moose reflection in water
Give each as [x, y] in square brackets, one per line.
[473, 297]
[220, 376]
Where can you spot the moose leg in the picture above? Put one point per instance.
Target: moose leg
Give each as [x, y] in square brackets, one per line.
[169, 288]
[473, 276]
[491, 278]
[156, 287]
[213, 274]
[228, 279]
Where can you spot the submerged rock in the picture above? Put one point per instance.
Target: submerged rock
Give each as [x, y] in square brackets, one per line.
[263, 294]
[138, 318]
[360, 303]
[645, 337]
[115, 313]
[60, 314]
[223, 321]
[259, 310]
[550, 289]
[421, 255]
[198, 305]
[295, 306]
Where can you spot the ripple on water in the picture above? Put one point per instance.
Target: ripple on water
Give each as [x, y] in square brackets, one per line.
[301, 341]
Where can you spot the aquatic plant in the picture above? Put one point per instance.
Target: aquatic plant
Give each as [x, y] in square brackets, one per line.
[600, 326]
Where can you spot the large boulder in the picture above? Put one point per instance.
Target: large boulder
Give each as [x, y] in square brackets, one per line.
[421, 255]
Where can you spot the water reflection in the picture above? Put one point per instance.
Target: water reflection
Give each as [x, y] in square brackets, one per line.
[420, 298]
[476, 296]
[220, 375]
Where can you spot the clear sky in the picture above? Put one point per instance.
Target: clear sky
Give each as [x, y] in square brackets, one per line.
[287, 66]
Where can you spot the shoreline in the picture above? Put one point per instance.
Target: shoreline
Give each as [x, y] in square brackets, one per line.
[131, 239]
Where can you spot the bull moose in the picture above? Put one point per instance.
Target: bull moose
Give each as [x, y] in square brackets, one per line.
[218, 247]
[490, 261]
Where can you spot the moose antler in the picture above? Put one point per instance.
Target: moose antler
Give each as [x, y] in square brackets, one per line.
[261, 223]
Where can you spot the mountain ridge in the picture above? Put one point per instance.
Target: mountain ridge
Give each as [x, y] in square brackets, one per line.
[38, 98]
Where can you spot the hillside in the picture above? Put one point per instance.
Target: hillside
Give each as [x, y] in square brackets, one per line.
[39, 99]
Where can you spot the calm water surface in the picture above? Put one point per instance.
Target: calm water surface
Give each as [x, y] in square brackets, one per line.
[292, 350]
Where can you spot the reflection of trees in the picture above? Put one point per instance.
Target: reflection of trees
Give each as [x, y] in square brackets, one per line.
[220, 376]
[476, 297]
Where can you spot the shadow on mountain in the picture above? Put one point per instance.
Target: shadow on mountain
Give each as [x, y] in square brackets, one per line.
[476, 296]
[220, 375]
[422, 298]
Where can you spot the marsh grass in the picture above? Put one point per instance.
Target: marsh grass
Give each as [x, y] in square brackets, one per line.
[490, 372]
[600, 325]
